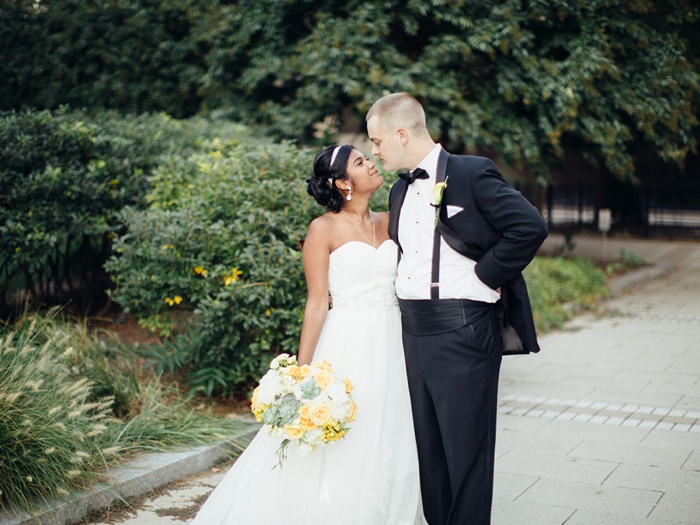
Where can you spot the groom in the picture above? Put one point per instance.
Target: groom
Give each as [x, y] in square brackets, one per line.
[462, 296]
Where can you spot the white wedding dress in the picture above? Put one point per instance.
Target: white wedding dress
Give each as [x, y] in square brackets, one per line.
[370, 477]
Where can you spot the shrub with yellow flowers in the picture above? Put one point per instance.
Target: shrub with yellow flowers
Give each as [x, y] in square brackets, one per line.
[214, 264]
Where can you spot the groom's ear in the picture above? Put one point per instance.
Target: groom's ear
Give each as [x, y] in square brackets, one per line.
[403, 136]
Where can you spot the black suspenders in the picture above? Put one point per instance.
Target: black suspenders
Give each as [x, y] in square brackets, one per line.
[435, 270]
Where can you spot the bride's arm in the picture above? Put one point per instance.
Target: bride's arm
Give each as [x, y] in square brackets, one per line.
[316, 255]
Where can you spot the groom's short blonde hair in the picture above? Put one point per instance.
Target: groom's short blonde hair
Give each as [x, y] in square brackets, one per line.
[399, 110]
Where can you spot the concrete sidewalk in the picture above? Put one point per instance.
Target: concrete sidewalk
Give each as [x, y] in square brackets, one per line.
[602, 427]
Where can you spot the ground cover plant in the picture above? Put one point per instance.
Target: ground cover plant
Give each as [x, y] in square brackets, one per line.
[561, 286]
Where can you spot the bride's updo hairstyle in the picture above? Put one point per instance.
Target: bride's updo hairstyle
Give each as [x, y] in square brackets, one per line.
[329, 165]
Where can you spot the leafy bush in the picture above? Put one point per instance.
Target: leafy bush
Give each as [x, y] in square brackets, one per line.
[222, 239]
[558, 286]
[65, 176]
[140, 56]
[61, 390]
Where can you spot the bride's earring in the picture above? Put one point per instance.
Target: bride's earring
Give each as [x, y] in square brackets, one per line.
[349, 197]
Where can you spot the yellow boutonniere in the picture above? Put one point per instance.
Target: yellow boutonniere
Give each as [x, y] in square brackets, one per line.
[437, 192]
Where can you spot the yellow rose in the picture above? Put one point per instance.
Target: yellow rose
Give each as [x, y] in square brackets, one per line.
[257, 408]
[258, 411]
[323, 380]
[352, 413]
[306, 424]
[325, 365]
[305, 370]
[320, 414]
[295, 372]
[348, 386]
[304, 411]
[293, 431]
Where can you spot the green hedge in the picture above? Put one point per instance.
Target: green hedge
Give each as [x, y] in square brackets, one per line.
[64, 178]
[221, 239]
[205, 223]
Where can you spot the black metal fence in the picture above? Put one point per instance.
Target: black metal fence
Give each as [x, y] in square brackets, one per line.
[577, 206]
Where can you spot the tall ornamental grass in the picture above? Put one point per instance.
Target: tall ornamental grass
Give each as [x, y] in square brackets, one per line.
[52, 430]
[73, 402]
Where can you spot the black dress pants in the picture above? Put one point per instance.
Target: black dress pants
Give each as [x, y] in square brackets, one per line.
[453, 382]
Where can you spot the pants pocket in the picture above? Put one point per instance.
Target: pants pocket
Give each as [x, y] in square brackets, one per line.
[484, 335]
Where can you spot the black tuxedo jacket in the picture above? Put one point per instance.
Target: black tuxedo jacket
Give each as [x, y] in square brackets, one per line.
[497, 227]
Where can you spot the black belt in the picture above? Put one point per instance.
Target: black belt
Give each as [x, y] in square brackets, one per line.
[427, 317]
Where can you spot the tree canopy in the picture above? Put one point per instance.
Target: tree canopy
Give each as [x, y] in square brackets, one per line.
[608, 79]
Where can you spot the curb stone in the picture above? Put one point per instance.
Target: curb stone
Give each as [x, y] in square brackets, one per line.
[135, 477]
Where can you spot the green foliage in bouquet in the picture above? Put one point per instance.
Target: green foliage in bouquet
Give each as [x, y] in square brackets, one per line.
[559, 286]
[221, 240]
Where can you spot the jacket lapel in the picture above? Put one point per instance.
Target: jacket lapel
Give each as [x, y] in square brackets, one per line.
[395, 204]
[441, 174]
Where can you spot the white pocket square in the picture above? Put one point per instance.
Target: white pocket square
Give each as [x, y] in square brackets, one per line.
[453, 210]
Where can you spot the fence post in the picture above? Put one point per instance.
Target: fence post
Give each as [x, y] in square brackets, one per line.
[647, 210]
[604, 217]
[580, 204]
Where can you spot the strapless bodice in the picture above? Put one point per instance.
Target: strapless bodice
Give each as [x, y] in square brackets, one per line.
[360, 276]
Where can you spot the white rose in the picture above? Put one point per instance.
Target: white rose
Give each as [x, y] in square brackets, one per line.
[336, 392]
[266, 393]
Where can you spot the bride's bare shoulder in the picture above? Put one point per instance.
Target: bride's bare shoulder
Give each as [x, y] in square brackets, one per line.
[322, 227]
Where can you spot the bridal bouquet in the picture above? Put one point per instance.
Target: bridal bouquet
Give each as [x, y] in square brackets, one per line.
[306, 405]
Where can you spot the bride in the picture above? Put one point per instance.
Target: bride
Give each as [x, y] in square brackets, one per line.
[370, 477]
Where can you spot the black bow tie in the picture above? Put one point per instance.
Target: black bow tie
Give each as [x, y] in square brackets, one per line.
[410, 176]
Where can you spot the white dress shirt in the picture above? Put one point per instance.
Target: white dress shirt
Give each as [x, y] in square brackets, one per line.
[416, 224]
